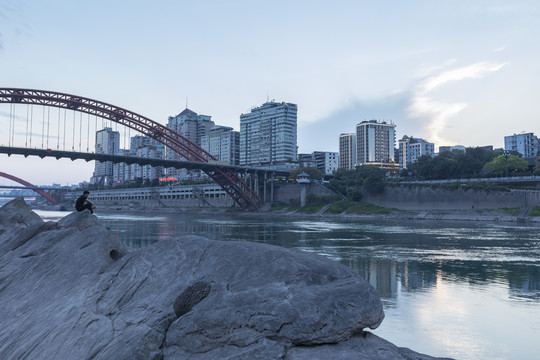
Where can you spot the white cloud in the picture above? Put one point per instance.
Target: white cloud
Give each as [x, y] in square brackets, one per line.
[473, 71]
[437, 112]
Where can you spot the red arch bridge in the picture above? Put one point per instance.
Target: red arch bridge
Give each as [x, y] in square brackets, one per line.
[29, 186]
[50, 127]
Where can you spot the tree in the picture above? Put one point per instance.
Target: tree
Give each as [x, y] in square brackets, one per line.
[537, 167]
[354, 194]
[453, 164]
[371, 178]
[501, 163]
[373, 184]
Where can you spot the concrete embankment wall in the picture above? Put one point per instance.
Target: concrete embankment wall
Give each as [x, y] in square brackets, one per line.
[287, 193]
[428, 198]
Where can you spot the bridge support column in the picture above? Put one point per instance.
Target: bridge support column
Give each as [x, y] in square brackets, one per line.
[264, 186]
[256, 180]
[272, 188]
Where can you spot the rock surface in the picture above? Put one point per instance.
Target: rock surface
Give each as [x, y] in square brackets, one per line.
[71, 290]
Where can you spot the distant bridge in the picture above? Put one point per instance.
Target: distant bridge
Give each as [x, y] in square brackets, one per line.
[29, 186]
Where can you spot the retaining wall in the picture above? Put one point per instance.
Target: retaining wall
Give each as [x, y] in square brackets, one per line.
[409, 197]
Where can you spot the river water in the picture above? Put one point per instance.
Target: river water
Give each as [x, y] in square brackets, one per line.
[459, 289]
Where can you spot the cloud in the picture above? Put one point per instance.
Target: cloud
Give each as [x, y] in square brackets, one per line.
[438, 113]
[473, 71]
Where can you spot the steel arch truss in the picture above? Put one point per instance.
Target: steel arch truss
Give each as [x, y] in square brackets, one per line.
[242, 194]
[26, 183]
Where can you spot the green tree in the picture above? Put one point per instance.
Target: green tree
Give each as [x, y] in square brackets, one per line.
[513, 163]
[343, 179]
[537, 167]
[453, 164]
[354, 194]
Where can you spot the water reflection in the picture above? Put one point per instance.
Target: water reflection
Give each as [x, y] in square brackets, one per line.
[448, 289]
[393, 256]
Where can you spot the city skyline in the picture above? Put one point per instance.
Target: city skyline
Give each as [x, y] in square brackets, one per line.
[451, 73]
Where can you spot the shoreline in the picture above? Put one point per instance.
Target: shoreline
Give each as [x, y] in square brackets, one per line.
[416, 215]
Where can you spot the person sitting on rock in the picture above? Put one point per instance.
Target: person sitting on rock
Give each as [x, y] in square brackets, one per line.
[83, 202]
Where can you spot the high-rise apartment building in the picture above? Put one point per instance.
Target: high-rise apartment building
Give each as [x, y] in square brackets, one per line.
[375, 142]
[147, 148]
[526, 144]
[268, 134]
[410, 149]
[193, 127]
[107, 142]
[347, 151]
[121, 171]
[223, 143]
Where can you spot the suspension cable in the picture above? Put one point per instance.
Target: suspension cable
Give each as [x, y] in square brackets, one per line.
[88, 135]
[31, 117]
[10, 115]
[95, 131]
[42, 127]
[58, 137]
[80, 132]
[73, 138]
[27, 112]
[64, 140]
[48, 124]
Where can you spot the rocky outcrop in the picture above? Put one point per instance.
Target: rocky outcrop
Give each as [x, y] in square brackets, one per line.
[71, 290]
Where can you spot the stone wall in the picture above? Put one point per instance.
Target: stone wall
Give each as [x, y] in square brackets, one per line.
[285, 193]
[427, 198]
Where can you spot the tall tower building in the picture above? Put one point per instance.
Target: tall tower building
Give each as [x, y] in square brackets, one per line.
[410, 149]
[268, 134]
[193, 127]
[375, 142]
[347, 151]
[107, 142]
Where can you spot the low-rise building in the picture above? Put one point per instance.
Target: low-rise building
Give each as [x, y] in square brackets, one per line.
[527, 144]
[411, 148]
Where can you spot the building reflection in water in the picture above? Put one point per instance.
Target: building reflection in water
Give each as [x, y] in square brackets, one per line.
[393, 259]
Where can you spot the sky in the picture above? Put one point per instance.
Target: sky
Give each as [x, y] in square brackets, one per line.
[451, 72]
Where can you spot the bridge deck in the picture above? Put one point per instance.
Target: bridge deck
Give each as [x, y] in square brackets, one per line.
[74, 155]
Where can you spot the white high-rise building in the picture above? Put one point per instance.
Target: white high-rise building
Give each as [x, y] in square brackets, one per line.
[107, 142]
[410, 149]
[347, 151]
[375, 142]
[268, 134]
[527, 144]
[223, 143]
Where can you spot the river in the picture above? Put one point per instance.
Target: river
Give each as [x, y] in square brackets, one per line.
[459, 289]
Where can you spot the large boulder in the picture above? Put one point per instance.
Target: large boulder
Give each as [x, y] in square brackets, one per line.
[72, 290]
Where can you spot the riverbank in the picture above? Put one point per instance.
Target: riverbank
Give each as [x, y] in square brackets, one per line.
[375, 212]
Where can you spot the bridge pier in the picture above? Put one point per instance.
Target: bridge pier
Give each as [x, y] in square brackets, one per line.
[265, 185]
